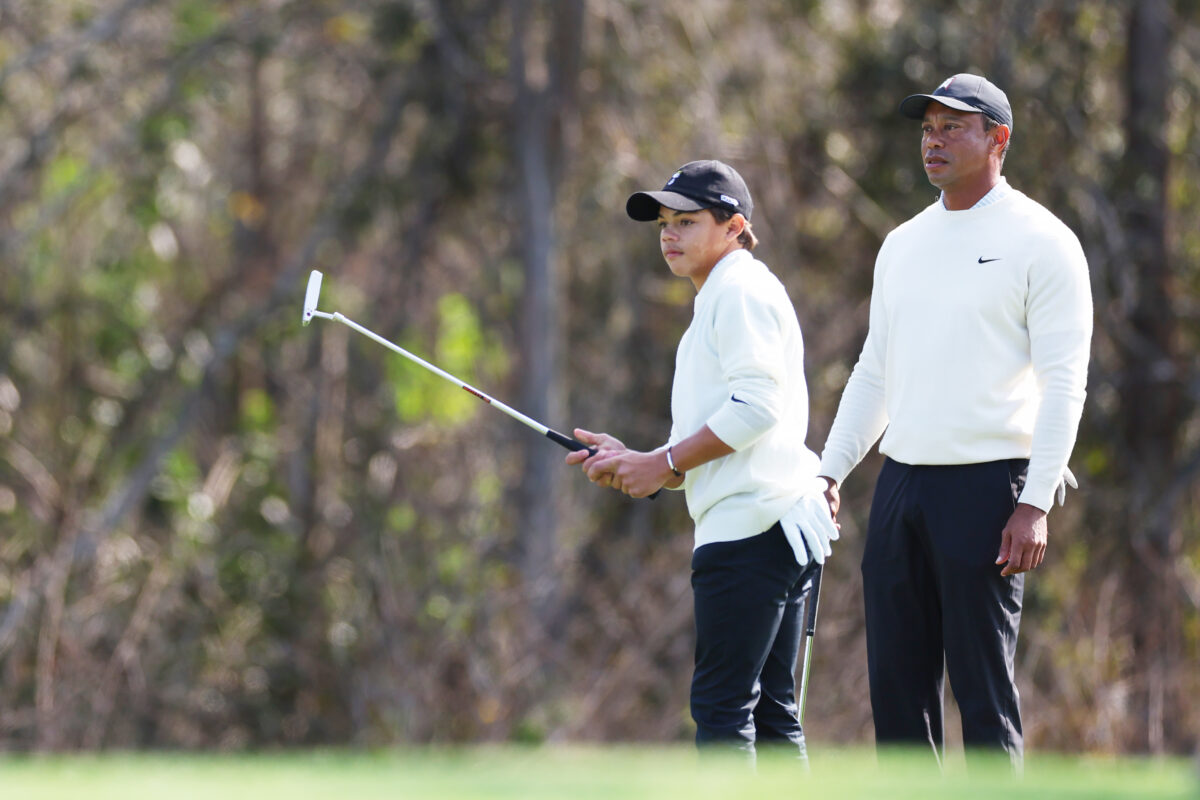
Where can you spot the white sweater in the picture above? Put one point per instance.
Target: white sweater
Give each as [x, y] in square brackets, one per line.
[980, 327]
[740, 370]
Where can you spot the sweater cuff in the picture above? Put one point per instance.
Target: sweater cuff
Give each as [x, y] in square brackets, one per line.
[1038, 495]
[835, 468]
[732, 429]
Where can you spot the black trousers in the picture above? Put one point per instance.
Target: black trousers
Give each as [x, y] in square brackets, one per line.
[935, 602]
[749, 599]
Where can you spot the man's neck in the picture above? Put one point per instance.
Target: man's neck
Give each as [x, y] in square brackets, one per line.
[961, 199]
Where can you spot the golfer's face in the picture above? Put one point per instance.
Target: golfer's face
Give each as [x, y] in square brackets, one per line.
[692, 242]
[954, 146]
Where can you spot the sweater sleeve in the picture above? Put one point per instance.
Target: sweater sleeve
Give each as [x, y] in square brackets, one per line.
[1059, 315]
[750, 348]
[862, 412]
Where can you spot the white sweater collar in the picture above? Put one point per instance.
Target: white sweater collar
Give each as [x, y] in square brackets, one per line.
[997, 193]
[721, 269]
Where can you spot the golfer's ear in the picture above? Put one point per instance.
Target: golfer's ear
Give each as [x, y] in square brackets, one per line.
[1000, 135]
[737, 224]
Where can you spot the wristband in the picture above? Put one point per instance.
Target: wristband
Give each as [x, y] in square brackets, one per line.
[671, 464]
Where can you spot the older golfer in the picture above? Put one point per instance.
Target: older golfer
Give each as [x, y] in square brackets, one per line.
[973, 371]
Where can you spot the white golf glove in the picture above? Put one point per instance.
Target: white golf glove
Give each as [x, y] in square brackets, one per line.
[809, 521]
[1068, 479]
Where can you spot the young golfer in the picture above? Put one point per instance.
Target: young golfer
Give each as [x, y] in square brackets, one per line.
[739, 410]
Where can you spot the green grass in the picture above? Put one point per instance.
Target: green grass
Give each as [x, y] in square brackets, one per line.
[577, 773]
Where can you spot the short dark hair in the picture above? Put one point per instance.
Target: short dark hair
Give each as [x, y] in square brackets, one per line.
[746, 238]
[988, 124]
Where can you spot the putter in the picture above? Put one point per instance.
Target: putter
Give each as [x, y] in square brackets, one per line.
[310, 310]
[810, 629]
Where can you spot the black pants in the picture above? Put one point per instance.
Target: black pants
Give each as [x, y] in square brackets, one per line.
[749, 598]
[934, 596]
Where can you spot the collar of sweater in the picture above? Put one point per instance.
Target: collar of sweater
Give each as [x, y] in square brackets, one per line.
[721, 272]
[997, 193]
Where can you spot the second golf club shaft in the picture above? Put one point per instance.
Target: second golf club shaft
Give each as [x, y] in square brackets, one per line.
[810, 630]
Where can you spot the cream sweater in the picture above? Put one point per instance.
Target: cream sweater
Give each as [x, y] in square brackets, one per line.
[739, 369]
[978, 344]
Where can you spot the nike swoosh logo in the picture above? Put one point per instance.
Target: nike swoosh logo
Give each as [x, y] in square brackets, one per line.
[737, 399]
[983, 260]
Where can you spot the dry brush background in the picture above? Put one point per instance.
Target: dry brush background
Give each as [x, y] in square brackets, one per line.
[220, 530]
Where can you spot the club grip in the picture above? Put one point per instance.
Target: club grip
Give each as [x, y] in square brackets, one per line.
[814, 596]
[568, 442]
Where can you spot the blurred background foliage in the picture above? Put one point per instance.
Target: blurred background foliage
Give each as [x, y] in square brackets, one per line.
[220, 530]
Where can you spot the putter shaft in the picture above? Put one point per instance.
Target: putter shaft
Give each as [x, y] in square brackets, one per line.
[311, 296]
[549, 433]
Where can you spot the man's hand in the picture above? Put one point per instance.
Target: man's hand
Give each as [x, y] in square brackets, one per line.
[833, 498]
[1023, 542]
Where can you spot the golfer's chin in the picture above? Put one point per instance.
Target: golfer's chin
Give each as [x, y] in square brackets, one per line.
[677, 264]
[937, 176]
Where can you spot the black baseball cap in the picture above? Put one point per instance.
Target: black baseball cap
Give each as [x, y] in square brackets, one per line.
[694, 186]
[963, 92]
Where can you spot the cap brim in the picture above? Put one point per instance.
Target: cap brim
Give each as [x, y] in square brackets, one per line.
[914, 105]
[643, 206]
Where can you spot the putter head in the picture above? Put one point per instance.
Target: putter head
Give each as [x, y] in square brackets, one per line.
[310, 296]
